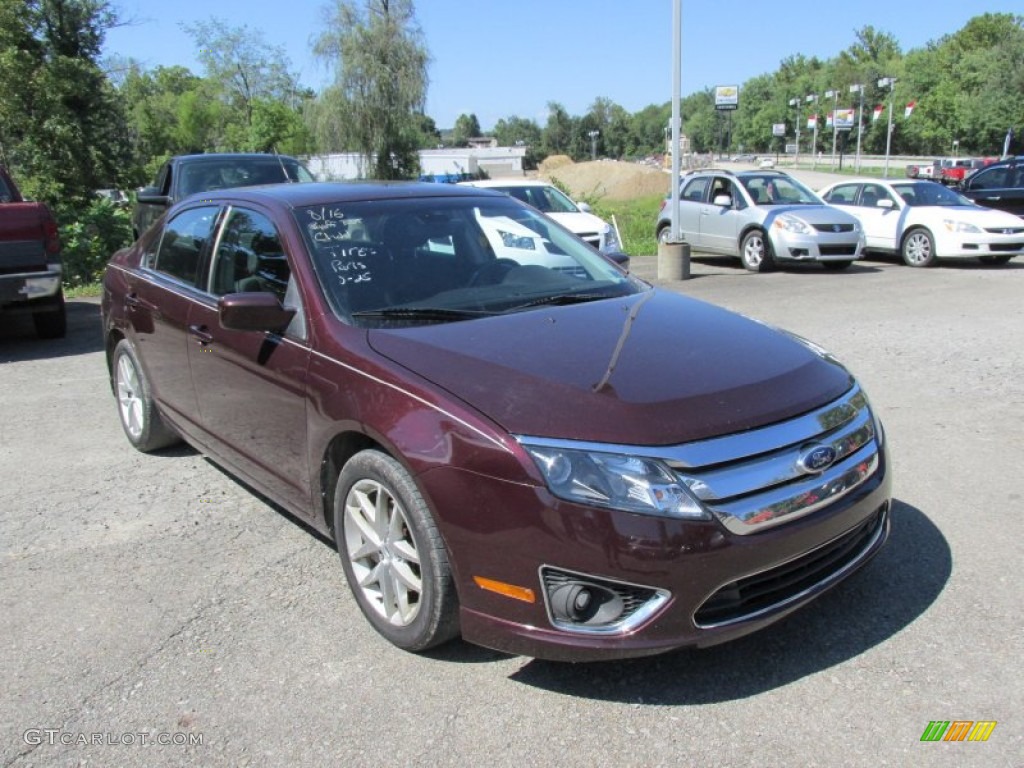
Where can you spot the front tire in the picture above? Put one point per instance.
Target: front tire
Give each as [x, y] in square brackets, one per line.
[756, 252]
[392, 553]
[140, 419]
[918, 249]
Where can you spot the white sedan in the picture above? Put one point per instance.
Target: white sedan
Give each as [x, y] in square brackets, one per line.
[924, 221]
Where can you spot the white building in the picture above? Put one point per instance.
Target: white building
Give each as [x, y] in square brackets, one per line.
[455, 161]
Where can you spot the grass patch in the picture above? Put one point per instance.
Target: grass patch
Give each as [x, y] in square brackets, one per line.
[83, 291]
[636, 219]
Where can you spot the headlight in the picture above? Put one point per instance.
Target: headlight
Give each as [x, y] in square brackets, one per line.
[792, 224]
[611, 240]
[511, 240]
[960, 226]
[618, 481]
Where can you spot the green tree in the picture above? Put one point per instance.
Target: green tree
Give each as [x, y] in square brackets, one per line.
[377, 99]
[559, 131]
[245, 67]
[61, 126]
[466, 127]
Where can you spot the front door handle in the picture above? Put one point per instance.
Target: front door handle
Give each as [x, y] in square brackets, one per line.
[201, 334]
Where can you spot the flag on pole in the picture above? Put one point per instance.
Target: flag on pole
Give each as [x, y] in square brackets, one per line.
[878, 112]
[828, 120]
[909, 109]
[812, 121]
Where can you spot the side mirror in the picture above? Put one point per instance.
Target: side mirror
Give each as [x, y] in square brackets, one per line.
[253, 311]
[725, 201]
[152, 196]
[619, 258]
[585, 207]
[885, 203]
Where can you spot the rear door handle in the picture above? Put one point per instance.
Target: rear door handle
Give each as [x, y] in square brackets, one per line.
[201, 334]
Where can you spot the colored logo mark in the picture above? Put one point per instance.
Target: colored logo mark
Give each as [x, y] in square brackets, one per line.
[958, 730]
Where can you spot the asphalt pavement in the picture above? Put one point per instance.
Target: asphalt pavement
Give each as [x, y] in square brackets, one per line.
[157, 612]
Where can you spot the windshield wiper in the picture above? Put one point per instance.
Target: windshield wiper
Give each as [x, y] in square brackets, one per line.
[560, 300]
[424, 313]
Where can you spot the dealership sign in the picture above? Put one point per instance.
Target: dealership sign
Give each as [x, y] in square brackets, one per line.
[727, 96]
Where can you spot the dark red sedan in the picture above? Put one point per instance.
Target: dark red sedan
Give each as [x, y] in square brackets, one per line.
[508, 437]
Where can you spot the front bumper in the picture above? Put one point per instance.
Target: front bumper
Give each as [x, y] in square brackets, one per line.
[695, 564]
[820, 246]
[971, 245]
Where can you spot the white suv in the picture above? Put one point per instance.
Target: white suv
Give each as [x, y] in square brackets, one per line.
[549, 200]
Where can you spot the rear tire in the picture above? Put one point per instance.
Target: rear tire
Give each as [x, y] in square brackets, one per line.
[393, 555]
[756, 252]
[52, 324]
[140, 419]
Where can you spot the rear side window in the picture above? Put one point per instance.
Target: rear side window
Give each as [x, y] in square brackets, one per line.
[694, 190]
[844, 194]
[993, 178]
[183, 243]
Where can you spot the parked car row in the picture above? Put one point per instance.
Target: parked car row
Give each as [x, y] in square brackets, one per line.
[768, 217]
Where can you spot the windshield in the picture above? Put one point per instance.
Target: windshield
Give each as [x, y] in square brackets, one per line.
[207, 175]
[772, 189]
[929, 193]
[542, 197]
[429, 260]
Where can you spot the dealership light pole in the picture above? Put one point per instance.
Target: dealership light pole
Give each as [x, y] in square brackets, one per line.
[677, 66]
[835, 108]
[814, 141]
[796, 104]
[593, 143]
[891, 83]
[859, 88]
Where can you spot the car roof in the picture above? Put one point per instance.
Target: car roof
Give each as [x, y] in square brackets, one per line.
[297, 195]
[487, 183]
[220, 156]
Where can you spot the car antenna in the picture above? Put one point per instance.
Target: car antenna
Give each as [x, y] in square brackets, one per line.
[280, 162]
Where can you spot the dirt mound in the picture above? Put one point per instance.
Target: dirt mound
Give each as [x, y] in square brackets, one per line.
[608, 179]
[553, 163]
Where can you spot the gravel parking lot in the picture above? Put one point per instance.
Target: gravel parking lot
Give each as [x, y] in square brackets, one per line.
[152, 599]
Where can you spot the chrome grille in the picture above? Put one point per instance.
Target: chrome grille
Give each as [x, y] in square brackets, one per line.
[1004, 230]
[754, 480]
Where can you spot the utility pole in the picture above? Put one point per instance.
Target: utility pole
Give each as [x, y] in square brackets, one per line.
[796, 155]
[593, 143]
[859, 88]
[814, 142]
[835, 108]
[891, 83]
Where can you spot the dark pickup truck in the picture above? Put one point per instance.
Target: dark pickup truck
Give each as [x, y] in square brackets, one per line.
[185, 175]
[30, 268]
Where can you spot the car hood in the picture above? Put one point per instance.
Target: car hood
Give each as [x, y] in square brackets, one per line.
[813, 214]
[653, 368]
[978, 215]
[579, 222]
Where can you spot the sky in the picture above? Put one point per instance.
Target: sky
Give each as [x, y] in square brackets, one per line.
[499, 58]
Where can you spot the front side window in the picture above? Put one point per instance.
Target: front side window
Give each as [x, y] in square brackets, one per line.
[872, 194]
[779, 190]
[429, 260]
[182, 244]
[249, 256]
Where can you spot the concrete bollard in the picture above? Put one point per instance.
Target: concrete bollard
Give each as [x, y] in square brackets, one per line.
[673, 261]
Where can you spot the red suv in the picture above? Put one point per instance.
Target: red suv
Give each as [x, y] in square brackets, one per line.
[507, 436]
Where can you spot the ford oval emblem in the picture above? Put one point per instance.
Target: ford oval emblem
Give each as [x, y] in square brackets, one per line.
[817, 459]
